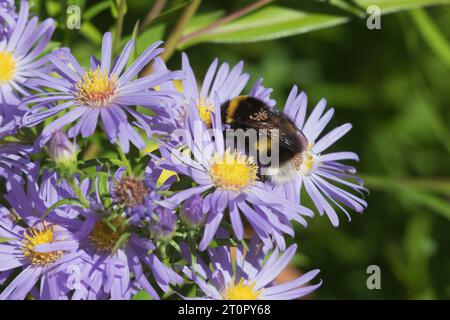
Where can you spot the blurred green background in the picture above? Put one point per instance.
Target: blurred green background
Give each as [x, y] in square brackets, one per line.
[392, 84]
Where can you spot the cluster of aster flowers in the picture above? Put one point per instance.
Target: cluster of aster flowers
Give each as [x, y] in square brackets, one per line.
[154, 215]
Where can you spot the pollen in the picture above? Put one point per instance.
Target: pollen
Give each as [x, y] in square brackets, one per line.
[233, 171]
[306, 162]
[241, 291]
[37, 236]
[131, 191]
[96, 89]
[205, 115]
[7, 67]
[205, 109]
[104, 237]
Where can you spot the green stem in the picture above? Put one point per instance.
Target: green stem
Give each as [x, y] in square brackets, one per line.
[124, 159]
[153, 14]
[438, 185]
[176, 33]
[121, 8]
[231, 17]
[76, 188]
[431, 34]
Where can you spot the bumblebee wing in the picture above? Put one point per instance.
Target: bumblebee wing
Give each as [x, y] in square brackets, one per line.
[288, 134]
[289, 141]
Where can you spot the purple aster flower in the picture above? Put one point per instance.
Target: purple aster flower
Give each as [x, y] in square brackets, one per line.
[247, 275]
[111, 268]
[39, 244]
[223, 82]
[321, 174]
[228, 181]
[102, 270]
[19, 59]
[41, 251]
[117, 261]
[218, 80]
[107, 90]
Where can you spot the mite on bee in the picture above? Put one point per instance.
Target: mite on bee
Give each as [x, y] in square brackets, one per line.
[277, 136]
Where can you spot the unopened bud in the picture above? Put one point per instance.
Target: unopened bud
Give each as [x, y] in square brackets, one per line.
[62, 151]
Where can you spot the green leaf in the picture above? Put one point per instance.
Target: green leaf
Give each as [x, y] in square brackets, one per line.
[90, 13]
[67, 201]
[418, 192]
[268, 23]
[391, 6]
[431, 202]
[91, 32]
[171, 14]
[103, 189]
[277, 21]
[141, 295]
[114, 9]
[201, 20]
[122, 240]
[432, 35]
[150, 36]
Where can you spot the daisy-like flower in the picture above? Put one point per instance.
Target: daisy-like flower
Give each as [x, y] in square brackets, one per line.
[224, 83]
[19, 59]
[107, 90]
[219, 81]
[247, 275]
[112, 273]
[117, 261]
[228, 180]
[40, 249]
[320, 173]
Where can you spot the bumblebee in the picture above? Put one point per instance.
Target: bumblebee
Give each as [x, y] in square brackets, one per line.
[276, 134]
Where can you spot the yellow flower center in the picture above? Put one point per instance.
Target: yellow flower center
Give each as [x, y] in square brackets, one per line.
[34, 237]
[7, 67]
[96, 89]
[241, 291]
[104, 237]
[233, 171]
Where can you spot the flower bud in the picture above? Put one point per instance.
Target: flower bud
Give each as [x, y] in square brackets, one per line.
[192, 211]
[163, 223]
[62, 151]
